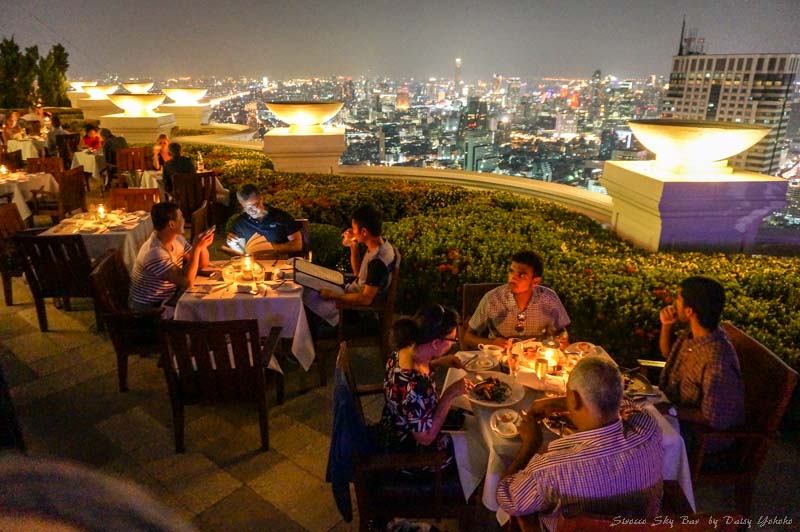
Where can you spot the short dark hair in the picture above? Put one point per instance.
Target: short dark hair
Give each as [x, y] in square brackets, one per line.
[369, 218]
[90, 127]
[245, 191]
[163, 213]
[56, 121]
[428, 324]
[706, 298]
[174, 149]
[106, 133]
[529, 258]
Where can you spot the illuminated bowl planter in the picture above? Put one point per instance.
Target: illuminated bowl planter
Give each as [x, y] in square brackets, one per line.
[185, 97]
[691, 146]
[137, 104]
[79, 86]
[99, 92]
[304, 117]
[138, 88]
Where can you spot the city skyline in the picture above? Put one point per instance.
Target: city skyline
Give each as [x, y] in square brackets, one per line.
[311, 38]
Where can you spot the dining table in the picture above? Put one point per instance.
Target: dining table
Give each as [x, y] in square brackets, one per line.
[93, 162]
[273, 303]
[481, 454]
[32, 147]
[116, 230]
[21, 184]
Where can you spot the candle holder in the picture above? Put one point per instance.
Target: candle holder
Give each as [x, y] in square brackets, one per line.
[247, 268]
[101, 212]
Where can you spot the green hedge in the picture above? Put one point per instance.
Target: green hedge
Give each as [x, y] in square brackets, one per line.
[450, 236]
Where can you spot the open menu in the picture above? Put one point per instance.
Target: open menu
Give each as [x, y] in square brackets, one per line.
[317, 277]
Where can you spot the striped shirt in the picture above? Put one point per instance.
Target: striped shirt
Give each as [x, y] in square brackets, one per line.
[705, 374]
[612, 470]
[148, 286]
[497, 314]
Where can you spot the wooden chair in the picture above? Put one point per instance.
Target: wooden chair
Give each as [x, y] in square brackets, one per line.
[132, 332]
[471, 295]
[768, 386]
[216, 362]
[129, 160]
[50, 165]
[12, 160]
[384, 489]
[10, 264]
[385, 311]
[134, 199]
[55, 266]
[189, 191]
[199, 220]
[70, 197]
[66, 146]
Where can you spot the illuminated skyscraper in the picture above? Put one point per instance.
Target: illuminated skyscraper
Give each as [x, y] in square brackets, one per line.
[746, 88]
[595, 95]
[457, 79]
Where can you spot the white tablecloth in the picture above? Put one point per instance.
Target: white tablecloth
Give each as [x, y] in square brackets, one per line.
[129, 240]
[276, 308]
[31, 148]
[483, 455]
[21, 185]
[93, 163]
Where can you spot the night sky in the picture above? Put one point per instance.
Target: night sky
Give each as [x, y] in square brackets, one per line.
[296, 38]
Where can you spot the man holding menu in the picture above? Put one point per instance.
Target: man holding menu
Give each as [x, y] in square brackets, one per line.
[262, 228]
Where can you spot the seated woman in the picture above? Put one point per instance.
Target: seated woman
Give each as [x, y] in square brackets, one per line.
[11, 129]
[91, 139]
[160, 152]
[414, 412]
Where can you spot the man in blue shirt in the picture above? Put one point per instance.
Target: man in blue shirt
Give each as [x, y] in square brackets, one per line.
[262, 228]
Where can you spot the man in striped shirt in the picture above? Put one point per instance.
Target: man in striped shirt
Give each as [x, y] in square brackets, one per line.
[612, 465]
[166, 261]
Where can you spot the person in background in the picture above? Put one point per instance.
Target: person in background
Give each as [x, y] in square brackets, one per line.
[50, 146]
[161, 152]
[11, 128]
[612, 465]
[522, 308]
[702, 376]
[111, 143]
[91, 139]
[177, 164]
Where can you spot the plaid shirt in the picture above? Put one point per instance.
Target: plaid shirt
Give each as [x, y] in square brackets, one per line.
[613, 470]
[705, 374]
[497, 313]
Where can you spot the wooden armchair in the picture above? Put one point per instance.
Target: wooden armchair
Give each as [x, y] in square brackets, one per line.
[384, 489]
[199, 220]
[353, 333]
[216, 362]
[471, 295]
[70, 197]
[128, 160]
[191, 190]
[768, 386]
[55, 266]
[134, 199]
[50, 165]
[66, 146]
[12, 160]
[10, 264]
[132, 332]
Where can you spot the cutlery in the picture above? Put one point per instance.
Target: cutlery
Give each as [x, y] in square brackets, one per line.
[466, 362]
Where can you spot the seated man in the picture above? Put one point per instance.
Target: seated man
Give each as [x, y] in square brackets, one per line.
[702, 375]
[111, 143]
[612, 465]
[522, 308]
[166, 261]
[262, 228]
[51, 149]
[177, 164]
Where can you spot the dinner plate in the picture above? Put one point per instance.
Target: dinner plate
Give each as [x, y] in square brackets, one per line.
[504, 422]
[520, 347]
[287, 287]
[581, 348]
[564, 428]
[637, 384]
[517, 391]
[481, 363]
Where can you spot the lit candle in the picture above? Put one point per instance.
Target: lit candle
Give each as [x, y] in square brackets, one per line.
[101, 212]
[247, 268]
[3, 169]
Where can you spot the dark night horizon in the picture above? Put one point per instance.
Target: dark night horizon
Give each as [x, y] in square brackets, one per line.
[282, 40]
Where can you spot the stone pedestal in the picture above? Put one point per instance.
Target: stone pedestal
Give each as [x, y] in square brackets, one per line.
[96, 109]
[298, 152]
[188, 116]
[138, 129]
[659, 210]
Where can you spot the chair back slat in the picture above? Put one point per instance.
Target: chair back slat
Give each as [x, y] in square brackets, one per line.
[768, 381]
[111, 282]
[131, 159]
[10, 222]
[134, 199]
[213, 361]
[72, 191]
[67, 145]
[199, 220]
[190, 190]
[13, 160]
[55, 266]
[50, 165]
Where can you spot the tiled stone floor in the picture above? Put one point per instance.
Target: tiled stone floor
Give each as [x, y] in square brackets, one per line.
[64, 386]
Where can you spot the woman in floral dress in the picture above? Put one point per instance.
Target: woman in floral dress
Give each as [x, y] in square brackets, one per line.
[414, 411]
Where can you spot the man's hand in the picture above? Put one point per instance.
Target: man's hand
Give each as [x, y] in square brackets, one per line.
[668, 315]
[234, 242]
[530, 432]
[203, 240]
[542, 408]
[349, 239]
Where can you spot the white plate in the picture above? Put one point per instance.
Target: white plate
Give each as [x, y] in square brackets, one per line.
[481, 363]
[556, 429]
[516, 395]
[584, 348]
[504, 422]
[519, 348]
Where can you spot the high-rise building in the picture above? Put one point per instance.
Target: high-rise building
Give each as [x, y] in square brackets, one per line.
[475, 116]
[457, 82]
[745, 88]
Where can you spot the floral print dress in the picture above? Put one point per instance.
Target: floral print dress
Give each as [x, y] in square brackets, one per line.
[411, 399]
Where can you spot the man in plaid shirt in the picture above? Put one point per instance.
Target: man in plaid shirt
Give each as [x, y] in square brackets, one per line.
[522, 308]
[702, 375]
[612, 465]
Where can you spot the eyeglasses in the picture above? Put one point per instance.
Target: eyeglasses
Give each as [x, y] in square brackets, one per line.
[520, 322]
